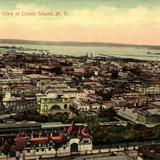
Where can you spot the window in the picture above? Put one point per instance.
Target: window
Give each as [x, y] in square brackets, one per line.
[85, 141]
[65, 106]
[45, 108]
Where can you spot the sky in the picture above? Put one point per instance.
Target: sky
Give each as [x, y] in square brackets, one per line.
[113, 21]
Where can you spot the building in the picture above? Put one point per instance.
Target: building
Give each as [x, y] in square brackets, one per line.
[154, 104]
[58, 100]
[74, 139]
[52, 103]
[73, 146]
[147, 87]
[149, 117]
[18, 104]
[85, 106]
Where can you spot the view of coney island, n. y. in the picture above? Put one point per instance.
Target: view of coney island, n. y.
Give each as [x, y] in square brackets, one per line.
[79, 80]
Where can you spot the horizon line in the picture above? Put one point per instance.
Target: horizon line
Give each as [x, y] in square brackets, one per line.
[85, 42]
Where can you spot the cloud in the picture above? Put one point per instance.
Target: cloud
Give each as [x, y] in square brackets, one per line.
[110, 24]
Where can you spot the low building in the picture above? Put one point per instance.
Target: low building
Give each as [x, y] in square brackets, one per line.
[149, 118]
[154, 104]
[85, 106]
[34, 78]
[147, 88]
[52, 103]
[17, 104]
[135, 99]
[74, 94]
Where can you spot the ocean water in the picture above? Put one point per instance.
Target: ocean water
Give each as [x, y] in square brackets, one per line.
[125, 52]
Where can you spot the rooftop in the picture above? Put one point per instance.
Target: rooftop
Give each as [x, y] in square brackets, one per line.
[37, 76]
[157, 103]
[131, 115]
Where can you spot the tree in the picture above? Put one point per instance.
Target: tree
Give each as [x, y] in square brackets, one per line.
[57, 70]
[109, 113]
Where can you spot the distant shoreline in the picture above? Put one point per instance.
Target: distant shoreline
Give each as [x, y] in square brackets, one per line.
[103, 56]
[73, 43]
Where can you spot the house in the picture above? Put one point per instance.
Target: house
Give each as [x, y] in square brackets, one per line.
[149, 117]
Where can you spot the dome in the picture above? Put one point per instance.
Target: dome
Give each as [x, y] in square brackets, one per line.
[52, 95]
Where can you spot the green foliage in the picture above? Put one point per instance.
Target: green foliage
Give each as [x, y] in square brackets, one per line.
[107, 113]
[102, 135]
[60, 117]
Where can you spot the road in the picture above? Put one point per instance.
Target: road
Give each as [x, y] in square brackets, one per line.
[129, 144]
[98, 150]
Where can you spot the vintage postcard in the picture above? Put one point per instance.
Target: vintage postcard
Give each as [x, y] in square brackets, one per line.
[79, 79]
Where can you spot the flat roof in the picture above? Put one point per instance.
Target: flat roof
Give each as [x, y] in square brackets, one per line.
[131, 116]
[19, 125]
[115, 123]
[37, 124]
[37, 76]
[157, 103]
[154, 111]
[59, 124]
